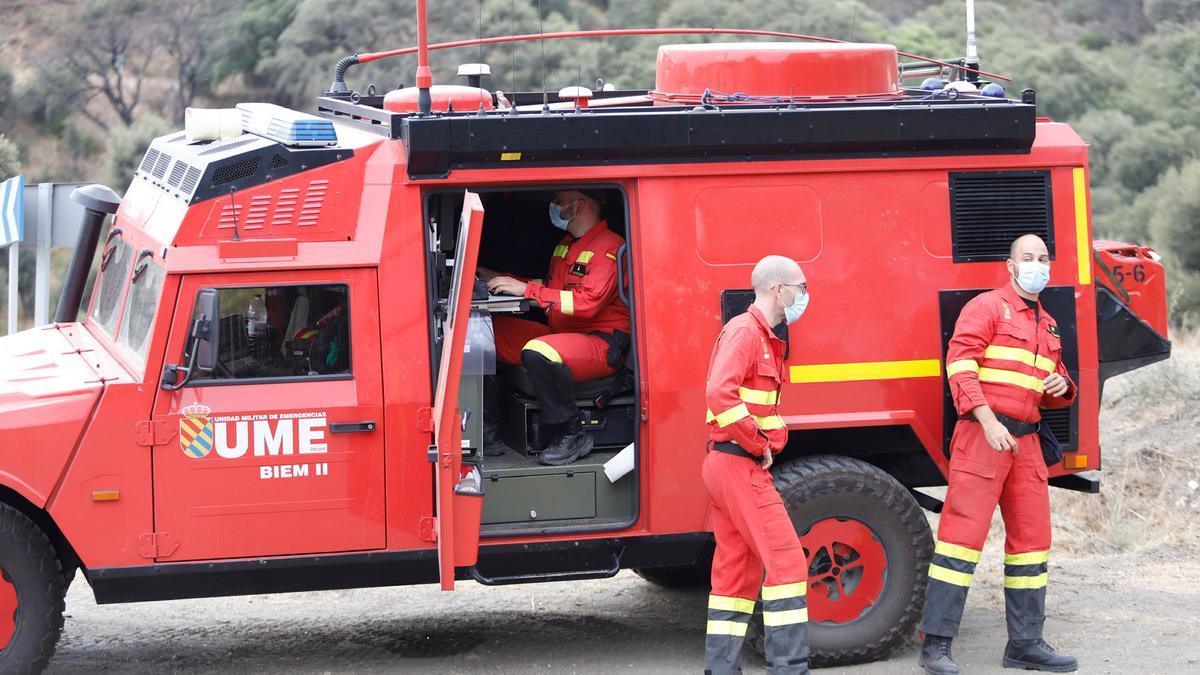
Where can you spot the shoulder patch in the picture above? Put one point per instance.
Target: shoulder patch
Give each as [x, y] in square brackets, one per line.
[1007, 311]
[1053, 330]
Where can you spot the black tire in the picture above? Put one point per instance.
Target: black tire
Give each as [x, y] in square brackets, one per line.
[697, 575]
[827, 486]
[28, 562]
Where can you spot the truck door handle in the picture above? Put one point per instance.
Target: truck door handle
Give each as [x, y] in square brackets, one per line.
[350, 427]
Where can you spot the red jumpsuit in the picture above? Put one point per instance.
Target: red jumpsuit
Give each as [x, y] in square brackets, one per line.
[751, 525]
[580, 298]
[1001, 351]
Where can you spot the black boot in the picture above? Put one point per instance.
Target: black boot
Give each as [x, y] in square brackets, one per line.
[573, 445]
[493, 441]
[1037, 655]
[935, 656]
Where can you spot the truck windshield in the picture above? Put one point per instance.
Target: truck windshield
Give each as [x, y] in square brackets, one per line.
[141, 307]
[114, 273]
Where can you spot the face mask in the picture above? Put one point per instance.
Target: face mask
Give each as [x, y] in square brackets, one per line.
[556, 217]
[793, 311]
[1032, 276]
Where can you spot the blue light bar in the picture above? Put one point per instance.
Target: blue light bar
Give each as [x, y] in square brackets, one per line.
[286, 126]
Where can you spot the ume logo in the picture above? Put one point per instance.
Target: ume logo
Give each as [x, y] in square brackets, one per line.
[269, 435]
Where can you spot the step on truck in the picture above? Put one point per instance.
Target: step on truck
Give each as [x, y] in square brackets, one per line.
[276, 383]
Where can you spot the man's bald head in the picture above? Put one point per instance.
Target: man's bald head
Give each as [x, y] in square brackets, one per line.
[774, 270]
[1028, 247]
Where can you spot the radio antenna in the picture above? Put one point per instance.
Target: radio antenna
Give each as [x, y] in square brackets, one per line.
[542, 31]
[233, 209]
[512, 109]
[972, 60]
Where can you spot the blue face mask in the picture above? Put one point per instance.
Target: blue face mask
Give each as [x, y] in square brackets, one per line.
[793, 311]
[557, 218]
[1032, 276]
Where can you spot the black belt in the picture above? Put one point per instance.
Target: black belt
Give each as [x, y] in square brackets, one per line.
[731, 448]
[1015, 427]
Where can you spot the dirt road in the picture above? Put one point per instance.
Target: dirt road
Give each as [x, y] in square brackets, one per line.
[1119, 613]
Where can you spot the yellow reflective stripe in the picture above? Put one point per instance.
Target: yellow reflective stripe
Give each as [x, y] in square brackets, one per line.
[998, 376]
[735, 628]
[758, 396]
[784, 591]
[728, 417]
[962, 366]
[785, 618]
[544, 349]
[1082, 244]
[949, 576]
[1027, 583]
[612, 256]
[720, 602]
[585, 257]
[560, 251]
[1017, 354]
[1031, 558]
[876, 370]
[566, 302]
[509, 156]
[769, 422]
[955, 551]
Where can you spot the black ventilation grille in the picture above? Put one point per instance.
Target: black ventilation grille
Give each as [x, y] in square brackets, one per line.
[989, 209]
[190, 180]
[177, 172]
[278, 161]
[1059, 420]
[148, 161]
[236, 171]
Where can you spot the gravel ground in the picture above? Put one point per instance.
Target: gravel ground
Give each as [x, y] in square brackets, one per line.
[1134, 612]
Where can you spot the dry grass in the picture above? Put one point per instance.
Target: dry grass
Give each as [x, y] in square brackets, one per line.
[1150, 440]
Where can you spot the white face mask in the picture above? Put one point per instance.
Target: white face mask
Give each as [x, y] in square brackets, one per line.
[1032, 276]
[792, 312]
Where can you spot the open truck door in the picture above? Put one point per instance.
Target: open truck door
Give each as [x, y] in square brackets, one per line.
[459, 497]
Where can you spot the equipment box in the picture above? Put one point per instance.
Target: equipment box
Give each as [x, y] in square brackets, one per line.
[515, 492]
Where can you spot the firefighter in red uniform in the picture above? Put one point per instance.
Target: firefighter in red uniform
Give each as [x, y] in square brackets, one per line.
[588, 329]
[1004, 364]
[751, 525]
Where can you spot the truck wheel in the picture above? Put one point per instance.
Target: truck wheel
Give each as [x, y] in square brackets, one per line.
[697, 575]
[31, 595]
[868, 546]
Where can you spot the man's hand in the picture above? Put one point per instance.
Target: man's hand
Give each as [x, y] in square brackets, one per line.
[486, 274]
[767, 459]
[995, 433]
[509, 285]
[998, 437]
[1055, 385]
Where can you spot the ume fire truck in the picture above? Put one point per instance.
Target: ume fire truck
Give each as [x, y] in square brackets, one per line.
[277, 382]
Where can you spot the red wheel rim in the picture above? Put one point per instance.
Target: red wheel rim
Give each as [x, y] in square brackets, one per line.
[847, 568]
[8, 610]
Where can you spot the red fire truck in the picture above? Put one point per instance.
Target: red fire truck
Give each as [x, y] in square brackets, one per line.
[276, 386]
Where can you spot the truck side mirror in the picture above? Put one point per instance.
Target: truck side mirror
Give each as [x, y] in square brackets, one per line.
[204, 341]
[207, 330]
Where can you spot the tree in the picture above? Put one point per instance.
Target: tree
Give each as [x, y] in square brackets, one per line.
[188, 31]
[108, 59]
[1138, 158]
[126, 146]
[10, 159]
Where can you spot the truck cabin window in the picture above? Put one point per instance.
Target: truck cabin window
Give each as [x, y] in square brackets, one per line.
[114, 273]
[282, 332]
[141, 307]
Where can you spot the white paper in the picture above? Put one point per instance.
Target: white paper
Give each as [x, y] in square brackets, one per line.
[620, 465]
